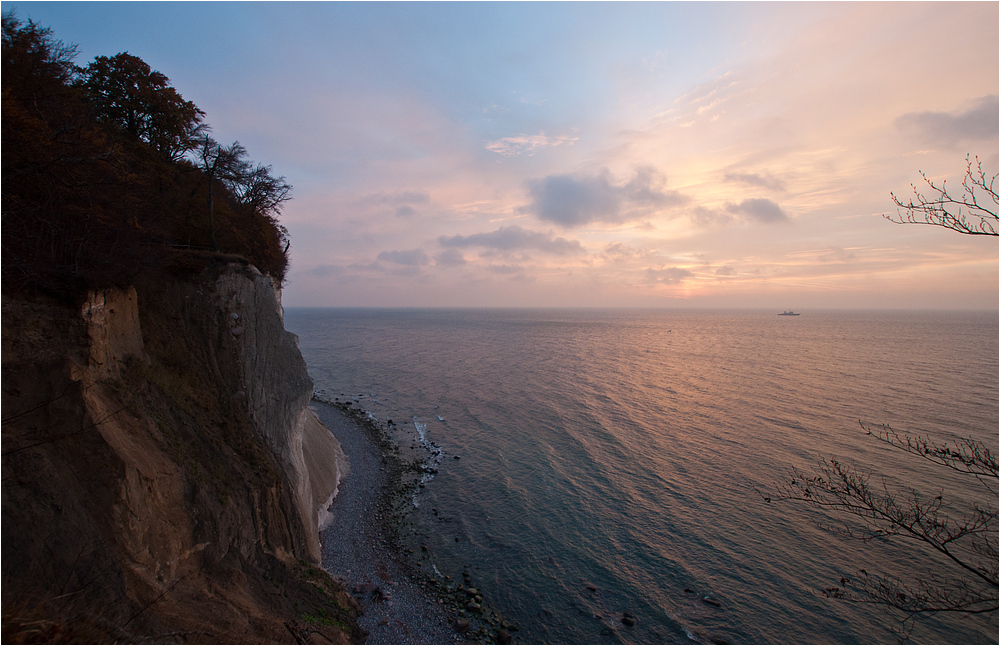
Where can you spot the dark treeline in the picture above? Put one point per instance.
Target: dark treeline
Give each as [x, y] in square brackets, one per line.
[108, 173]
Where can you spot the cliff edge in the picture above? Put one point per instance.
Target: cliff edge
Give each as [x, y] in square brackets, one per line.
[155, 482]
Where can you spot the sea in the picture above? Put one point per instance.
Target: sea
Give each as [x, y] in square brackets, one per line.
[590, 463]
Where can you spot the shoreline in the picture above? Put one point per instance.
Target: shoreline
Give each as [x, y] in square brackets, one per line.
[363, 545]
[359, 546]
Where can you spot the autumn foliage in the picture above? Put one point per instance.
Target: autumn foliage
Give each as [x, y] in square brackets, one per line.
[102, 178]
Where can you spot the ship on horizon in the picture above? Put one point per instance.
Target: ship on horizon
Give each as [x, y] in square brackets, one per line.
[788, 313]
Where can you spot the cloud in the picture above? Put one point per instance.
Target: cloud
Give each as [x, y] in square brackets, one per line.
[709, 96]
[667, 276]
[325, 270]
[620, 251]
[451, 257]
[505, 269]
[758, 209]
[405, 211]
[826, 255]
[575, 200]
[514, 238]
[396, 198]
[945, 128]
[372, 266]
[753, 209]
[755, 179]
[411, 258]
[707, 217]
[728, 270]
[509, 146]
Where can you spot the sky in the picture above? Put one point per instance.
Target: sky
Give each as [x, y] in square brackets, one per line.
[704, 154]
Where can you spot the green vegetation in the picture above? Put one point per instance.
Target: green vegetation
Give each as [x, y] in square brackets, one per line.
[108, 173]
[325, 618]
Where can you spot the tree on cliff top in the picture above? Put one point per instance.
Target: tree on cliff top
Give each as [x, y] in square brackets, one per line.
[33, 58]
[99, 182]
[141, 103]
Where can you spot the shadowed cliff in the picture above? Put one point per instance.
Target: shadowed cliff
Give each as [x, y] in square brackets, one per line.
[154, 484]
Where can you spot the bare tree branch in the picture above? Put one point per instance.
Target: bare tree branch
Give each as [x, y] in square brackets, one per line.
[958, 573]
[974, 213]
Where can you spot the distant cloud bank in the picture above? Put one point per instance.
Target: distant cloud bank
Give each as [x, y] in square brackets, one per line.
[576, 200]
[411, 258]
[509, 146]
[978, 122]
[514, 238]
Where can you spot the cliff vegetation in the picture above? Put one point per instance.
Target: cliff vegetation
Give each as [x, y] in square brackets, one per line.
[155, 420]
[108, 172]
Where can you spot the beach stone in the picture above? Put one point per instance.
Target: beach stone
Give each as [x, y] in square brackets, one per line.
[384, 621]
[472, 606]
[472, 592]
[628, 620]
[710, 601]
[238, 330]
[461, 625]
[503, 637]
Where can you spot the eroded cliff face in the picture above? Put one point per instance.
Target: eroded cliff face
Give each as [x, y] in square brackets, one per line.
[262, 364]
[154, 479]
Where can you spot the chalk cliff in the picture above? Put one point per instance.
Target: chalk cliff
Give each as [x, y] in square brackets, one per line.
[162, 474]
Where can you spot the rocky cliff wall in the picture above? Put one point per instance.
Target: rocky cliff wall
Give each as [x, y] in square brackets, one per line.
[155, 484]
[262, 364]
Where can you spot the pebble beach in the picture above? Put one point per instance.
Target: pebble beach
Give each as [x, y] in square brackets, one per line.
[361, 549]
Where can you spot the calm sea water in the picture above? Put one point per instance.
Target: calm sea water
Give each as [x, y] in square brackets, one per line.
[620, 450]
